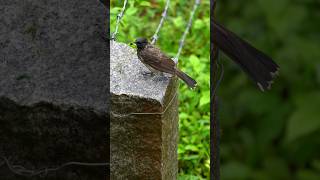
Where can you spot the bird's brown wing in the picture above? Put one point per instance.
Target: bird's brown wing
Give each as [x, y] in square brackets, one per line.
[157, 60]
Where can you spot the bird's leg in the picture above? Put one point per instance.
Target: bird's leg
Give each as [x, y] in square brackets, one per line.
[148, 73]
[161, 76]
[151, 71]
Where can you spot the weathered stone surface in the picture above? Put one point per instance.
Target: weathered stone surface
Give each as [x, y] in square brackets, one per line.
[53, 51]
[143, 146]
[53, 86]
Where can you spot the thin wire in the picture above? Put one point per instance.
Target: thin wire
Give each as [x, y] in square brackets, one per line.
[164, 15]
[181, 44]
[220, 66]
[119, 16]
[20, 170]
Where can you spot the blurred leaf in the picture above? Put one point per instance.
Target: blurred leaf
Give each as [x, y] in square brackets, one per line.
[178, 22]
[199, 24]
[261, 175]
[115, 10]
[145, 3]
[191, 157]
[191, 147]
[188, 177]
[306, 119]
[276, 168]
[205, 98]
[316, 164]
[235, 170]
[308, 175]
[195, 62]
[131, 11]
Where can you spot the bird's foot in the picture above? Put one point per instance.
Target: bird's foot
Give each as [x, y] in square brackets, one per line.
[148, 73]
[161, 78]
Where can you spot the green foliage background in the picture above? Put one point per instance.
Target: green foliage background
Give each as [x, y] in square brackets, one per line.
[272, 135]
[141, 19]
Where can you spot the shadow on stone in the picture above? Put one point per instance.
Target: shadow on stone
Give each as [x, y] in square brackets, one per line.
[53, 87]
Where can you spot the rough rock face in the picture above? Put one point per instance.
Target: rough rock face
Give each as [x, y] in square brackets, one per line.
[53, 86]
[144, 119]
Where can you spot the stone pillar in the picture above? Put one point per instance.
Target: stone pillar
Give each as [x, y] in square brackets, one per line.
[144, 119]
[53, 90]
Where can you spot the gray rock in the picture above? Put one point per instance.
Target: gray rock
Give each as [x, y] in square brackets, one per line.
[52, 51]
[53, 86]
[144, 119]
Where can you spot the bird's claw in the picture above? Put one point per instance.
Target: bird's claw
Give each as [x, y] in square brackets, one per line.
[148, 73]
[161, 78]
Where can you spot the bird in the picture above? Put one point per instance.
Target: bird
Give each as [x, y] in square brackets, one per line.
[157, 61]
[260, 67]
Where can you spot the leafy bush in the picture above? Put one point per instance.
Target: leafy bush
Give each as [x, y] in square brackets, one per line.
[272, 135]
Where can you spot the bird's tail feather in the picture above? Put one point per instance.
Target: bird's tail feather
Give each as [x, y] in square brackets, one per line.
[261, 68]
[187, 79]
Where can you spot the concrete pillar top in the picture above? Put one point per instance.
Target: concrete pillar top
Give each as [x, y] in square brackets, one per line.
[127, 75]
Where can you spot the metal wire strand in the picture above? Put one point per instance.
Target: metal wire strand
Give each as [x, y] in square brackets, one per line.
[148, 113]
[220, 66]
[164, 16]
[119, 16]
[22, 171]
[181, 43]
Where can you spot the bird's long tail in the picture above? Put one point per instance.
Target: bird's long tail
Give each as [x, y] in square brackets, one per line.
[261, 68]
[187, 79]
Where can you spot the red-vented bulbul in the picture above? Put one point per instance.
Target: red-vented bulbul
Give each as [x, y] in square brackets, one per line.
[156, 61]
[261, 68]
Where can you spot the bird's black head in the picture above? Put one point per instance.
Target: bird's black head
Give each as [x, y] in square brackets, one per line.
[141, 43]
